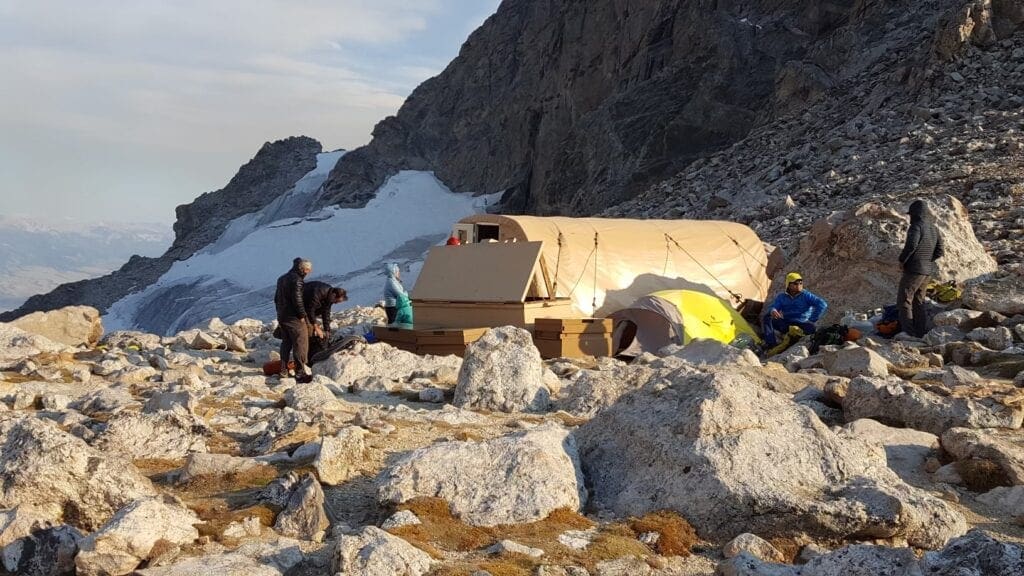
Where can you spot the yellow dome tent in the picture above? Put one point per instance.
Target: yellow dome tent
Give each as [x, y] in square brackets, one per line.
[677, 317]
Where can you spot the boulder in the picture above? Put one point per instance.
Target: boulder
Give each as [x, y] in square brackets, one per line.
[953, 376]
[199, 465]
[732, 457]
[895, 402]
[164, 435]
[1004, 448]
[855, 361]
[42, 465]
[975, 554]
[863, 560]
[503, 547]
[374, 552]
[310, 397]
[502, 371]
[204, 341]
[1004, 295]
[17, 344]
[906, 450]
[954, 318]
[387, 362]
[513, 479]
[128, 538]
[104, 402]
[706, 352]
[1007, 500]
[22, 521]
[184, 401]
[593, 390]
[303, 516]
[401, 518]
[71, 326]
[131, 339]
[997, 337]
[340, 456]
[869, 239]
[44, 552]
[232, 564]
[754, 545]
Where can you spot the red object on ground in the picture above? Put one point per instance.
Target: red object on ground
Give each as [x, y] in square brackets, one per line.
[273, 368]
[453, 241]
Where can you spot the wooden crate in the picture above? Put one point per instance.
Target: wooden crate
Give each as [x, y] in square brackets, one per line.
[555, 326]
[401, 336]
[574, 345]
[489, 314]
[446, 341]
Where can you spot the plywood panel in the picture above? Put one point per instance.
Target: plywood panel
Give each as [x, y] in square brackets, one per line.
[487, 272]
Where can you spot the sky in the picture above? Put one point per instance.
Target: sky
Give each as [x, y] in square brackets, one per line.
[119, 111]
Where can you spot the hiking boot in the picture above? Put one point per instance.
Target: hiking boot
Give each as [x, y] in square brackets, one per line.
[304, 379]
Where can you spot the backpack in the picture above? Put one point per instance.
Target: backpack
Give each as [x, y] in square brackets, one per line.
[944, 292]
[831, 336]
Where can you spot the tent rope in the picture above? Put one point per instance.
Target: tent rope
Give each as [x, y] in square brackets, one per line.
[740, 246]
[558, 263]
[593, 303]
[737, 297]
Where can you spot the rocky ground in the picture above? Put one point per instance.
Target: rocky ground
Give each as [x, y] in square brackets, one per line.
[130, 453]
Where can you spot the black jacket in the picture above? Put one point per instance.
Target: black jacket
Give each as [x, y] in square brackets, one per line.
[318, 302]
[924, 244]
[288, 297]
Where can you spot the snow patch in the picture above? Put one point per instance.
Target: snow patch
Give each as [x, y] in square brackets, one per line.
[235, 278]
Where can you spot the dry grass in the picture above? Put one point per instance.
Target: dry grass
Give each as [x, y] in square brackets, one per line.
[790, 548]
[441, 533]
[216, 516]
[153, 468]
[982, 475]
[677, 537]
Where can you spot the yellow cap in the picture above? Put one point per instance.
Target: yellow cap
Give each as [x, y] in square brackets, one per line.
[793, 277]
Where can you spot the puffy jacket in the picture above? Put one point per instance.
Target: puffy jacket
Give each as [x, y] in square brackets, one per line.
[393, 289]
[924, 244]
[317, 296]
[804, 307]
[288, 298]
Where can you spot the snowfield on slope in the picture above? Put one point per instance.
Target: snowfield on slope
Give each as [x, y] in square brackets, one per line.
[234, 278]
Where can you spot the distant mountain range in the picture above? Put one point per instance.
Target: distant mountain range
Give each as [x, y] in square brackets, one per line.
[36, 256]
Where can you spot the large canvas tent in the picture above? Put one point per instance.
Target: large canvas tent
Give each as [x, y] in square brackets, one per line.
[606, 264]
[676, 317]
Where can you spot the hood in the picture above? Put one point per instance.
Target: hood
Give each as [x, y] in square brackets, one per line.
[391, 269]
[918, 210]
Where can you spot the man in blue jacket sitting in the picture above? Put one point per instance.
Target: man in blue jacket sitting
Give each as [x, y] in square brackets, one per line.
[794, 307]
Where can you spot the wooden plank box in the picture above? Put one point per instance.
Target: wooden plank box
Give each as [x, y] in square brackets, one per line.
[574, 345]
[488, 314]
[552, 327]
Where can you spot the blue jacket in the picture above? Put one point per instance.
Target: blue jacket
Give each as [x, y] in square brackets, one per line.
[804, 307]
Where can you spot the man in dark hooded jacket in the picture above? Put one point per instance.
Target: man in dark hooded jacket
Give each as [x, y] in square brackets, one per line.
[291, 316]
[923, 247]
[319, 297]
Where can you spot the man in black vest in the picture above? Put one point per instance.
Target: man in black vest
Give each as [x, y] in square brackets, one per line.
[291, 316]
[923, 247]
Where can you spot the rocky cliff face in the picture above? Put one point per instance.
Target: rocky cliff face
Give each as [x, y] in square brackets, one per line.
[572, 106]
[273, 171]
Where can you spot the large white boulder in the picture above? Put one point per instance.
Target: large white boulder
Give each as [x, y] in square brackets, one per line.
[1003, 447]
[341, 455]
[71, 326]
[163, 435]
[121, 544]
[374, 552]
[381, 360]
[1004, 295]
[41, 465]
[865, 243]
[16, 345]
[733, 457]
[855, 361]
[894, 401]
[503, 371]
[514, 479]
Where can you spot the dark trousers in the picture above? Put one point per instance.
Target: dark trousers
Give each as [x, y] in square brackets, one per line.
[294, 339]
[772, 325]
[910, 301]
[392, 312]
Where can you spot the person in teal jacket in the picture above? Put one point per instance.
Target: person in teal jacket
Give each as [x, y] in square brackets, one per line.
[397, 304]
[794, 307]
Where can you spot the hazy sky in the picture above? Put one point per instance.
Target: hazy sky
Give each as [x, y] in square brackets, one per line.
[120, 110]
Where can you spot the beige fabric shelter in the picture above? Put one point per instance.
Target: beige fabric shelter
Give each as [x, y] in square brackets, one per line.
[605, 264]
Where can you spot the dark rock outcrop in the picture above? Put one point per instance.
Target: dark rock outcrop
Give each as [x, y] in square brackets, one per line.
[272, 172]
[572, 106]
